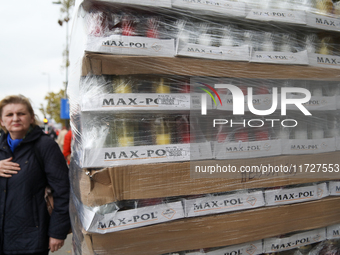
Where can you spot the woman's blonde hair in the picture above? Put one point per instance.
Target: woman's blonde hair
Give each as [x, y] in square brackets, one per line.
[17, 99]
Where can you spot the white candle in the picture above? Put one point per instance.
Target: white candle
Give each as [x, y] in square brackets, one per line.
[317, 91]
[268, 44]
[283, 134]
[182, 34]
[204, 38]
[317, 133]
[227, 39]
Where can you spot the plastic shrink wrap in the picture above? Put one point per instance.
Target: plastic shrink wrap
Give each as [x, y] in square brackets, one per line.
[205, 127]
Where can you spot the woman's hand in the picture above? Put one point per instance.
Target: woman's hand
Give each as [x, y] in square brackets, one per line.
[7, 168]
[55, 244]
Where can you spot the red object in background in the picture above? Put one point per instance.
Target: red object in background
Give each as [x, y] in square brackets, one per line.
[152, 31]
[261, 135]
[149, 202]
[244, 90]
[67, 146]
[262, 90]
[222, 134]
[127, 26]
[221, 137]
[183, 129]
[185, 88]
[242, 136]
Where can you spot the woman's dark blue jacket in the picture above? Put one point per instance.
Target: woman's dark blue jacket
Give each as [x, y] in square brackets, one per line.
[25, 225]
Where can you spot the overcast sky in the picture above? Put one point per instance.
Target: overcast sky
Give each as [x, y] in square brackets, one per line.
[32, 43]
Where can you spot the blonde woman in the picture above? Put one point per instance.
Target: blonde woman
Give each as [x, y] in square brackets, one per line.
[25, 224]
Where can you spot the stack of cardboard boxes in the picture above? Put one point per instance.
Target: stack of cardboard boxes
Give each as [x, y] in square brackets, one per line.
[161, 163]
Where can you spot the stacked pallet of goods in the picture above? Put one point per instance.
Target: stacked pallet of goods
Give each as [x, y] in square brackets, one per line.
[204, 126]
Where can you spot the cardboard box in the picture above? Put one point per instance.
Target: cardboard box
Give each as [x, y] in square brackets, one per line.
[296, 195]
[158, 3]
[252, 248]
[334, 188]
[324, 61]
[241, 53]
[218, 230]
[310, 146]
[253, 149]
[294, 241]
[131, 45]
[333, 232]
[142, 102]
[98, 64]
[99, 187]
[135, 155]
[113, 221]
[237, 201]
[228, 8]
[286, 58]
[325, 22]
[278, 15]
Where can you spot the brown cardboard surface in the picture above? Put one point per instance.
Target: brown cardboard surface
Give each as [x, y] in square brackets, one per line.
[107, 64]
[219, 230]
[174, 179]
[99, 191]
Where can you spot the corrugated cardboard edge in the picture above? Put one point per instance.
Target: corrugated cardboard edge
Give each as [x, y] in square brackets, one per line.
[174, 179]
[109, 64]
[92, 65]
[97, 189]
[219, 230]
[87, 248]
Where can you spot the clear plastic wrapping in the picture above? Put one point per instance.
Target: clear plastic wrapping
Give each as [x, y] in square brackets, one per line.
[205, 127]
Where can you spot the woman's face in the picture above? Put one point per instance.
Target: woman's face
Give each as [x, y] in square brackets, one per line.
[16, 119]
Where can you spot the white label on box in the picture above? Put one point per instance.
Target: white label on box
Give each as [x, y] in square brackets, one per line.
[131, 45]
[311, 146]
[156, 3]
[274, 57]
[253, 248]
[333, 232]
[260, 102]
[325, 61]
[323, 22]
[294, 241]
[279, 15]
[116, 156]
[200, 151]
[198, 51]
[219, 6]
[196, 99]
[241, 53]
[237, 150]
[316, 103]
[130, 101]
[334, 188]
[296, 195]
[136, 218]
[220, 204]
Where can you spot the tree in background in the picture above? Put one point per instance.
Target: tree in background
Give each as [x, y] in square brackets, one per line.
[53, 106]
